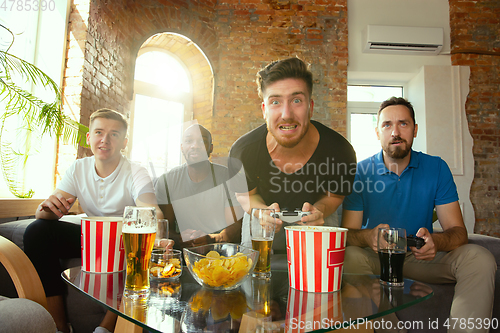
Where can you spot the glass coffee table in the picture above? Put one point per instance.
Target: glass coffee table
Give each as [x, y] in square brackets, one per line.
[264, 305]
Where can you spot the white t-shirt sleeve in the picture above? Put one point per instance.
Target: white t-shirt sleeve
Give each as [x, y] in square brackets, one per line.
[141, 181]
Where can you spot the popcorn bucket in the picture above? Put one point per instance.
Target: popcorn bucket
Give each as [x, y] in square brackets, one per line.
[107, 287]
[315, 257]
[102, 245]
[306, 311]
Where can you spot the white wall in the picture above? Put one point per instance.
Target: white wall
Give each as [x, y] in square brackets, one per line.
[436, 89]
[410, 13]
[448, 136]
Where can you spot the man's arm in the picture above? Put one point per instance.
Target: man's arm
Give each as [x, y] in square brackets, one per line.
[168, 213]
[454, 233]
[231, 234]
[250, 199]
[329, 203]
[55, 206]
[149, 200]
[356, 236]
[322, 208]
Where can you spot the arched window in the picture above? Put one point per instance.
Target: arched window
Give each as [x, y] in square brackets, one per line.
[162, 103]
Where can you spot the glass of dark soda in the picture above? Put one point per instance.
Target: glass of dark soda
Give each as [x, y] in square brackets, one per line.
[391, 246]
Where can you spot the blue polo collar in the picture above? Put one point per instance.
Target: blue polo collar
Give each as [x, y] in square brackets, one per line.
[382, 169]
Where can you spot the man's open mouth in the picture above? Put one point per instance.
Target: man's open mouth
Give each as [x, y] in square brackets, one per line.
[287, 127]
[398, 141]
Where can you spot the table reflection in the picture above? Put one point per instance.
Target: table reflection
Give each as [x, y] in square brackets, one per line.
[259, 305]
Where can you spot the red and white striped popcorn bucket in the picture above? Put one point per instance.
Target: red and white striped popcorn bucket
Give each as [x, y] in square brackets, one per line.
[102, 245]
[104, 287]
[312, 311]
[315, 257]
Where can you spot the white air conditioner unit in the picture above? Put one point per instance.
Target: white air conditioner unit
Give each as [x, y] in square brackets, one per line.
[403, 40]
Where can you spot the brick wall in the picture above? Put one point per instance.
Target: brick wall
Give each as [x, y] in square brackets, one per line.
[238, 38]
[475, 42]
[253, 33]
[116, 31]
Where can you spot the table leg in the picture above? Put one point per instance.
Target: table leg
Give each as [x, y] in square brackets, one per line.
[125, 326]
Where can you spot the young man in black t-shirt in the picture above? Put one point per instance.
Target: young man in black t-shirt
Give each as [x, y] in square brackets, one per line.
[291, 162]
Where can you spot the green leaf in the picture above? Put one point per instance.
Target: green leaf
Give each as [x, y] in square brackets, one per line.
[35, 118]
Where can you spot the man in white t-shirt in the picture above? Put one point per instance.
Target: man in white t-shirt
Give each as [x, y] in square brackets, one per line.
[194, 197]
[104, 184]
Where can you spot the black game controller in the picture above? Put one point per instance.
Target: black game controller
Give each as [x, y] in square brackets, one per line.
[413, 241]
[291, 217]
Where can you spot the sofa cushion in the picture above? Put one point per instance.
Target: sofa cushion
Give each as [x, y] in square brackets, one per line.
[22, 315]
[14, 231]
[491, 243]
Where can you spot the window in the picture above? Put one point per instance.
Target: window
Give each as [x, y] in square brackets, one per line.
[40, 38]
[162, 102]
[362, 105]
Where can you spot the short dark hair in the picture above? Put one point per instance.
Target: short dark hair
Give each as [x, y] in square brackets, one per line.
[109, 114]
[291, 68]
[397, 101]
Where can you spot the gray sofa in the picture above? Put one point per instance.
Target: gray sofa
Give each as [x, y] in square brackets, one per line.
[85, 314]
[13, 318]
[438, 306]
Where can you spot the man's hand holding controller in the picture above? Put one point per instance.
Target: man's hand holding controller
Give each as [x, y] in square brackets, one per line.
[413, 241]
[308, 211]
[291, 216]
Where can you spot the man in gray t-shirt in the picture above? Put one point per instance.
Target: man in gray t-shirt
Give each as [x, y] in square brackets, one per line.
[194, 196]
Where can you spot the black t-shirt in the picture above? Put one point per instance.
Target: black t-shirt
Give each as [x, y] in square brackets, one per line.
[331, 168]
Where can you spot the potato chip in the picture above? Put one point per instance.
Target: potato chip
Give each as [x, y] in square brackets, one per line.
[213, 254]
[166, 269]
[201, 301]
[220, 305]
[217, 271]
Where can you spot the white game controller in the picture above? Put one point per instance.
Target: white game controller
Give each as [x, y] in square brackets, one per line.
[290, 217]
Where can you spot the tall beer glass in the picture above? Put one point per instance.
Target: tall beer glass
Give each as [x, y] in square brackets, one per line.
[139, 232]
[391, 246]
[262, 227]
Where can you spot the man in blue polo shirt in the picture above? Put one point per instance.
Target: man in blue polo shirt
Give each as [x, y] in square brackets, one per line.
[400, 187]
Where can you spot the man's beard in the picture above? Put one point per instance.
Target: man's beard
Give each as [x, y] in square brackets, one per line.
[397, 152]
[284, 142]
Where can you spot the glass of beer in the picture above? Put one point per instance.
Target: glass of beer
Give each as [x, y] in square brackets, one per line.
[139, 232]
[262, 226]
[391, 246]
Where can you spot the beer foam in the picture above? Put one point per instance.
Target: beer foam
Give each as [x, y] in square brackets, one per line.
[315, 228]
[103, 218]
[132, 229]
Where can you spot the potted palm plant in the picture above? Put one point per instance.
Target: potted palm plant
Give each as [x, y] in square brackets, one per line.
[26, 118]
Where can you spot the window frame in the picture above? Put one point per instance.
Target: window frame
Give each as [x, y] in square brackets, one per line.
[357, 107]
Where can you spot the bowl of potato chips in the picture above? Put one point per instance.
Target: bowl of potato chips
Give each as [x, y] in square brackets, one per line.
[221, 266]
